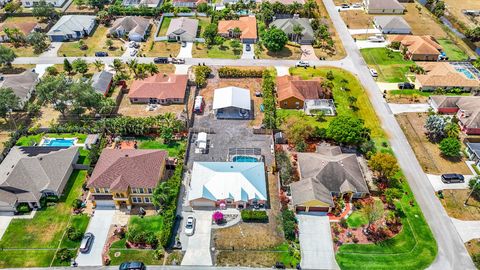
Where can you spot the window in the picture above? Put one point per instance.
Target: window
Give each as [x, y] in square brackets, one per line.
[140, 190]
[150, 191]
[136, 199]
[134, 190]
[147, 200]
[106, 190]
[97, 190]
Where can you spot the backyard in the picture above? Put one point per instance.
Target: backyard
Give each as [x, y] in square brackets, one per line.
[45, 231]
[200, 50]
[391, 66]
[453, 52]
[94, 43]
[175, 149]
[453, 202]
[427, 153]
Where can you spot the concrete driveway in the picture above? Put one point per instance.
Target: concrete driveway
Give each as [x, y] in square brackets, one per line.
[4, 222]
[371, 31]
[363, 44]
[468, 230]
[40, 69]
[308, 53]
[387, 86]
[128, 50]
[248, 54]
[437, 183]
[186, 52]
[52, 50]
[404, 108]
[99, 226]
[282, 70]
[316, 242]
[182, 69]
[198, 245]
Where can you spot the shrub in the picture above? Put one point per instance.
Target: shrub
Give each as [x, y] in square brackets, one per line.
[201, 75]
[74, 234]
[289, 224]
[450, 147]
[254, 216]
[23, 208]
[77, 204]
[301, 146]
[64, 255]
[217, 217]
[51, 198]
[227, 72]
[158, 254]
[343, 223]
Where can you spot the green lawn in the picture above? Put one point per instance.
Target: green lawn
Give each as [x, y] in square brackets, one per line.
[146, 224]
[390, 68]
[95, 43]
[80, 222]
[200, 50]
[365, 110]
[413, 248]
[32, 139]
[453, 52]
[202, 23]
[357, 219]
[25, 258]
[286, 257]
[174, 149]
[409, 92]
[143, 255]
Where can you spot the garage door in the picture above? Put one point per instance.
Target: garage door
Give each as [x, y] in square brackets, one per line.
[203, 204]
[301, 208]
[105, 203]
[318, 209]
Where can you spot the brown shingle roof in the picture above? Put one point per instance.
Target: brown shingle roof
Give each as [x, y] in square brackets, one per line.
[443, 74]
[248, 26]
[293, 86]
[160, 86]
[118, 169]
[418, 44]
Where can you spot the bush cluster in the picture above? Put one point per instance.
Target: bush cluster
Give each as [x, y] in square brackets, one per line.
[74, 234]
[141, 237]
[227, 72]
[254, 216]
[289, 224]
[201, 75]
[23, 208]
[269, 103]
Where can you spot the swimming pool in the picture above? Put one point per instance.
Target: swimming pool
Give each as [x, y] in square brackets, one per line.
[244, 159]
[58, 142]
[466, 72]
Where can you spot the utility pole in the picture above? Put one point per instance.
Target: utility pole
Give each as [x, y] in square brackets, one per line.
[473, 189]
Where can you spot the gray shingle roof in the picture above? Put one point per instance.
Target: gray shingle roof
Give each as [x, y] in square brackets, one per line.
[101, 81]
[131, 25]
[21, 84]
[69, 24]
[286, 25]
[27, 171]
[391, 22]
[178, 26]
[384, 4]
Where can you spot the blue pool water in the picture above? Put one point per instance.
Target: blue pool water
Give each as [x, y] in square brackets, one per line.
[467, 73]
[244, 159]
[58, 142]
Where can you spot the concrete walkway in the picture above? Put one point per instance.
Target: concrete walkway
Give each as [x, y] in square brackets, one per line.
[182, 69]
[468, 230]
[404, 108]
[308, 53]
[186, 52]
[4, 222]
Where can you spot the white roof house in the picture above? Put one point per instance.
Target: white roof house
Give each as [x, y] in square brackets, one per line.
[231, 97]
[233, 182]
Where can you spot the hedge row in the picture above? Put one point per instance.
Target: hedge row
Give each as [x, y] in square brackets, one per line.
[254, 216]
[227, 72]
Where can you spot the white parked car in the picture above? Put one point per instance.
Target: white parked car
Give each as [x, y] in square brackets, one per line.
[302, 64]
[132, 44]
[133, 52]
[190, 225]
[373, 72]
[377, 38]
[357, 5]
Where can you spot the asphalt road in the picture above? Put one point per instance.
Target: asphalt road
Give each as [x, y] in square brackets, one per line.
[452, 253]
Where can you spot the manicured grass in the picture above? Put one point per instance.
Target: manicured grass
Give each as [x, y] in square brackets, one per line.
[390, 68]
[46, 228]
[164, 26]
[161, 49]
[119, 244]
[143, 255]
[200, 50]
[286, 257]
[409, 92]
[454, 53]
[174, 149]
[32, 139]
[357, 219]
[288, 52]
[80, 222]
[95, 43]
[365, 110]
[26, 258]
[146, 224]
[413, 248]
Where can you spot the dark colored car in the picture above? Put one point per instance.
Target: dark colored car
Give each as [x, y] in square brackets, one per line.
[452, 178]
[406, 85]
[132, 266]
[101, 54]
[160, 60]
[86, 243]
[345, 6]
[248, 47]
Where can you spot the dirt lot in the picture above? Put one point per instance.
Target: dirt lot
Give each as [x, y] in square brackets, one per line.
[406, 99]
[453, 203]
[455, 7]
[428, 154]
[421, 21]
[340, 50]
[357, 19]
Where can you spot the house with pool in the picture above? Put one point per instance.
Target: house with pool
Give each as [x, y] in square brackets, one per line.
[240, 184]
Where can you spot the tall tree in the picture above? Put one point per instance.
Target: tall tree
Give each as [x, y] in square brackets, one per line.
[450, 147]
[384, 164]
[210, 33]
[274, 39]
[98, 65]
[67, 66]
[7, 55]
[310, 7]
[297, 31]
[8, 102]
[117, 66]
[435, 126]
[348, 130]
[44, 10]
[80, 66]
[55, 90]
[39, 41]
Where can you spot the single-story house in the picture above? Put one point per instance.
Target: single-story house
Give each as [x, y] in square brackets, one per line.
[182, 29]
[288, 26]
[102, 81]
[23, 85]
[71, 27]
[326, 174]
[25, 28]
[285, 2]
[466, 108]
[446, 76]
[29, 173]
[383, 7]
[314, 106]
[247, 26]
[126, 177]
[137, 3]
[292, 91]
[135, 27]
[419, 48]
[232, 103]
[31, 3]
[392, 25]
[159, 89]
[473, 151]
[187, 3]
[227, 184]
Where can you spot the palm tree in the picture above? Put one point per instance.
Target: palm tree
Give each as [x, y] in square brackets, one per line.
[117, 65]
[132, 66]
[109, 43]
[161, 195]
[99, 64]
[309, 7]
[140, 71]
[236, 32]
[152, 69]
[295, 7]
[297, 31]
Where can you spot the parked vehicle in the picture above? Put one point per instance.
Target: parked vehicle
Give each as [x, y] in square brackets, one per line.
[377, 38]
[345, 6]
[248, 47]
[451, 178]
[373, 72]
[132, 266]
[302, 64]
[133, 44]
[199, 105]
[160, 60]
[190, 226]
[184, 44]
[87, 242]
[406, 85]
[101, 54]
[133, 52]
[357, 5]
[178, 61]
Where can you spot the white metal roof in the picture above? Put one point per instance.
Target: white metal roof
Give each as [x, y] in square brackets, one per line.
[239, 181]
[231, 97]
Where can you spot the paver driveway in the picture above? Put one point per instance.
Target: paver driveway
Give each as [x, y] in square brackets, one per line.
[198, 247]
[99, 226]
[316, 242]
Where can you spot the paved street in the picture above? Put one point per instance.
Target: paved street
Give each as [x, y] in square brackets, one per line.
[452, 253]
[316, 244]
[4, 222]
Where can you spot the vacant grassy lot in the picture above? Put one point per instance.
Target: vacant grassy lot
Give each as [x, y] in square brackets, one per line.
[161, 49]
[174, 149]
[200, 50]
[22, 51]
[453, 203]
[288, 52]
[339, 49]
[391, 66]
[410, 95]
[427, 153]
[257, 258]
[452, 50]
[357, 19]
[413, 248]
[95, 43]
[422, 22]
